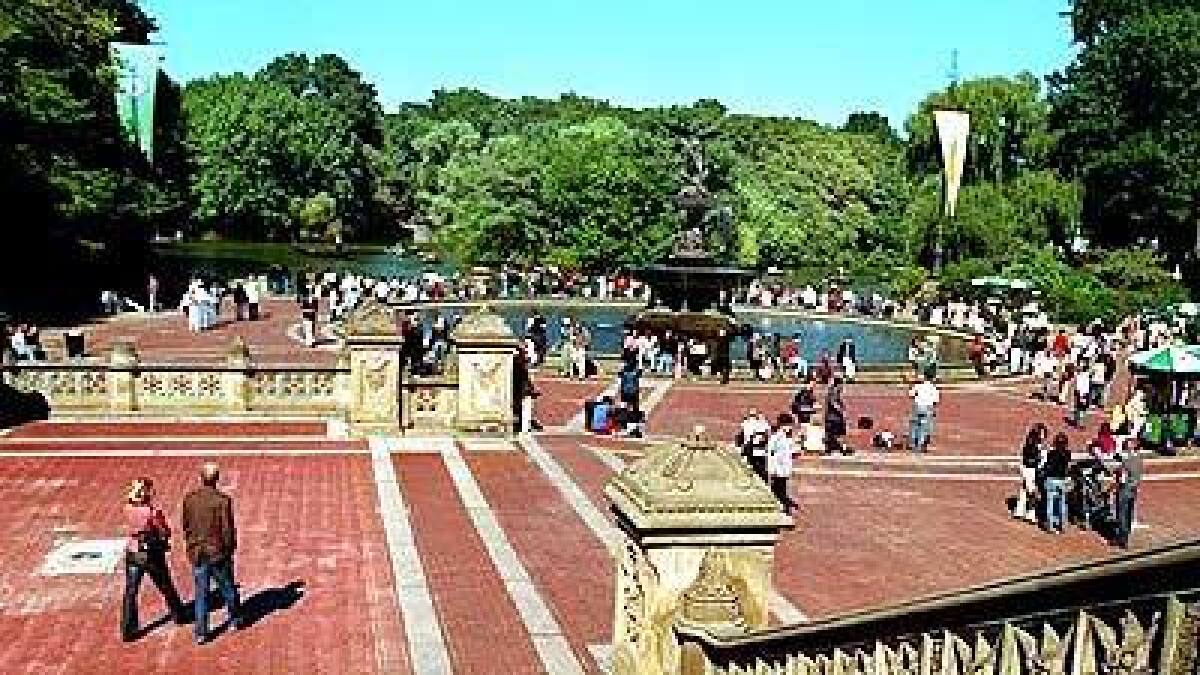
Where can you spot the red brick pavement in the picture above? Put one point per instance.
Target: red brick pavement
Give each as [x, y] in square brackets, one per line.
[483, 631]
[315, 522]
[152, 429]
[568, 563]
[166, 338]
[151, 445]
[969, 421]
[866, 542]
[562, 399]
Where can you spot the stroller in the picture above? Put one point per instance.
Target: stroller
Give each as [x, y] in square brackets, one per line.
[1091, 497]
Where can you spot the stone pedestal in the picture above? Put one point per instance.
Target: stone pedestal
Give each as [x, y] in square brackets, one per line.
[485, 346]
[122, 377]
[373, 340]
[699, 534]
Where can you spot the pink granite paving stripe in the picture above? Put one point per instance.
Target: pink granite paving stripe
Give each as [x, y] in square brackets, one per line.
[569, 565]
[483, 630]
[57, 429]
[863, 542]
[306, 520]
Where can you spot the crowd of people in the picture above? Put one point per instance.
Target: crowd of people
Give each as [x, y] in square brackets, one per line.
[1098, 491]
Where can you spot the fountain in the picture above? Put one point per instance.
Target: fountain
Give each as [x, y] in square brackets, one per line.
[691, 291]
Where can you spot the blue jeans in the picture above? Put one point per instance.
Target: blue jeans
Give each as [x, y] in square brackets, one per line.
[1126, 498]
[1056, 503]
[666, 363]
[156, 568]
[222, 572]
[921, 430]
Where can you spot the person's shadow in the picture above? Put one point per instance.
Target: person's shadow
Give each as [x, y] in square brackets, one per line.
[270, 600]
[254, 608]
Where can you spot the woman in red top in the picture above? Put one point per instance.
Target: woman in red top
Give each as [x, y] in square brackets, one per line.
[146, 549]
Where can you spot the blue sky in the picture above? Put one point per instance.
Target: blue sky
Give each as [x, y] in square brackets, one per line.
[820, 60]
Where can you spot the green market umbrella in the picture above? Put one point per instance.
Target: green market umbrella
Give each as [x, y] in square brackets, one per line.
[1173, 359]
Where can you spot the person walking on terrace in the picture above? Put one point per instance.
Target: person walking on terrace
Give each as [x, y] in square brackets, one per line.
[146, 549]
[1054, 472]
[1033, 456]
[1129, 476]
[211, 541]
[925, 398]
[780, 449]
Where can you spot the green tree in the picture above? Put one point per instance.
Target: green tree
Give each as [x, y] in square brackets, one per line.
[1092, 19]
[256, 146]
[873, 124]
[332, 79]
[86, 196]
[1130, 133]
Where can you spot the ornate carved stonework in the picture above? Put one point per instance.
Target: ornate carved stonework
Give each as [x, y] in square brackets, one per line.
[483, 349]
[699, 528]
[711, 600]
[696, 483]
[371, 319]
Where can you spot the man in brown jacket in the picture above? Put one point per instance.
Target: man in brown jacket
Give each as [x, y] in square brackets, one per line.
[211, 540]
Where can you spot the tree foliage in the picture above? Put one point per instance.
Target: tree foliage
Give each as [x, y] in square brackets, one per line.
[1130, 133]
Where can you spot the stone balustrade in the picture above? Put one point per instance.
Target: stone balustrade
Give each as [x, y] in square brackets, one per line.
[367, 388]
[693, 571]
[124, 384]
[1132, 615]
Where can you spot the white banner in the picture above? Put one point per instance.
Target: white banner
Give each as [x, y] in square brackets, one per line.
[952, 126]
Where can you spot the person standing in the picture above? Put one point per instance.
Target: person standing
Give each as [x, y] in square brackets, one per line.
[925, 398]
[152, 294]
[848, 359]
[1054, 471]
[755, 434]
[1033, 455]
[780, 451]
[308, 314]
[211, 541]
[1082, 383]
[721, 361]
[835, 417]
[146, 549]
[1128, 478]
[629, 382]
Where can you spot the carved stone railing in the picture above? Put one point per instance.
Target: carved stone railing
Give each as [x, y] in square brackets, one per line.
[429, 404]
[125, 385]
[1127, 615]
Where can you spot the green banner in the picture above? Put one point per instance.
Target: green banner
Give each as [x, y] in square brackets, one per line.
[137, 80]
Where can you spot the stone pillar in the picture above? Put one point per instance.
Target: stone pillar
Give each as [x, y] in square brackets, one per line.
[699, 535]
[373, 340]
[122, 377]
[235, 380]
[485, 346]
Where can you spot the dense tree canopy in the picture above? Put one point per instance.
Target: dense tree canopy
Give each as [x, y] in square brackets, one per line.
[81, 187]
[1130, 131]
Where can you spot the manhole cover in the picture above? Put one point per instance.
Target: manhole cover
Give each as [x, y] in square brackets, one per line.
[84, 556]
